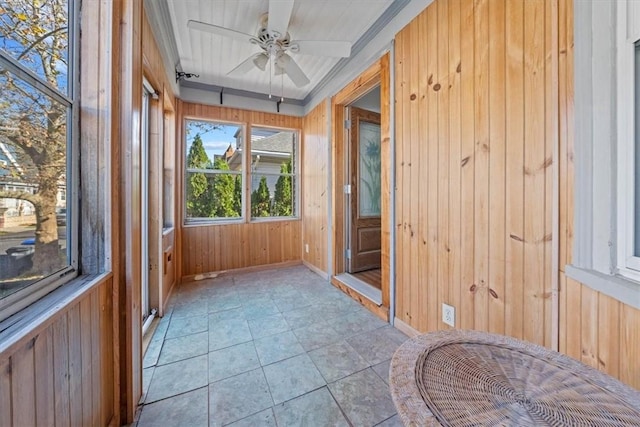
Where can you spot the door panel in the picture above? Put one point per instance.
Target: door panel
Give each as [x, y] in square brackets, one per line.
[365, 190]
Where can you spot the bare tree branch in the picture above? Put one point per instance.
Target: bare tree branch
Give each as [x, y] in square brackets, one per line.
[21, 195]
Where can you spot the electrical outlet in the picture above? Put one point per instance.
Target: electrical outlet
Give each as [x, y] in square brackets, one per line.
[449, 315]
[306, 247]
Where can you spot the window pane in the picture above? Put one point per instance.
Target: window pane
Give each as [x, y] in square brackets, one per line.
[213, 146]
[214, 195]
[273, 195]
[33, 170]
[273, 154]
[369, 189]
[36, 34]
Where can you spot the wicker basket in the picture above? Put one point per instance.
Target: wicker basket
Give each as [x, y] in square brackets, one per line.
[470, 378]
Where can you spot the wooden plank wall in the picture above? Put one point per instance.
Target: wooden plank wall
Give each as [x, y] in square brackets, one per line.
[594, 328]
[210, 248]
[63, 372]
[474, 135]
[315, 191]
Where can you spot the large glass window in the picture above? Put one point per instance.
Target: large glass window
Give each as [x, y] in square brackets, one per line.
[214, 164]
[274, 169]
[35, 150]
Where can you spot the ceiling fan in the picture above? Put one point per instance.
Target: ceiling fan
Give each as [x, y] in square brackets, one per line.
[274, 40]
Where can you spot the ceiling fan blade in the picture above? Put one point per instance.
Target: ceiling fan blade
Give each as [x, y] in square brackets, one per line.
[292, 69]
[336, 49]
[279, 16]
[221, 31]
[245, 66]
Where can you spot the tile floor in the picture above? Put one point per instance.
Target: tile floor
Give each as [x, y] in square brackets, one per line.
[272, 348]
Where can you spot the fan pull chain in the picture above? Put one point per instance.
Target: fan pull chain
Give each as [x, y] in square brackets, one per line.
[270, 74]
[282, 86]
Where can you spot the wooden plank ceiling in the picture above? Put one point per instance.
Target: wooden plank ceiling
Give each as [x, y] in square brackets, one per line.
[213, 56]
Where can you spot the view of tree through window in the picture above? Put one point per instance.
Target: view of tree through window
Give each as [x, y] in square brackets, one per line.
[215, 155]
[214, 171]
[273, 173]
[35, 112]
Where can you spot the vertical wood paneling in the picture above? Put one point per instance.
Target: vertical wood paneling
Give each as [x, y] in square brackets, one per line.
[481, 160]
[514, 191]
[534, 180]
[75, 366]
[428, 316]
[240, 245]
[497, 166]
[608, 356]
[629, 345]
[400, 101]
[422, 296]
[443, 145]
[5, 391]
[413, 184]
[475, 86]
[467, 165]
[455, 146]
[589, 327]
[61, 371]
[46, 377]
[314, 190]
[23, 390]
[86, 360]
[44, 373]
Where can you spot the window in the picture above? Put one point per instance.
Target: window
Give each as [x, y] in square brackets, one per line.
[628, 107]
[214, 172]
[274, 169]
[36, 126]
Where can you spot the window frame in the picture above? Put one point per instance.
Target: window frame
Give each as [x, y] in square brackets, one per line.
[14, 303]
[603, 113]
[296, 175]
[627, 263]
[189, 222]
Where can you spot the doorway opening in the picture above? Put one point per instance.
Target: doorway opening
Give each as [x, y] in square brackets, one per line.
[363, 208]
[361, 188]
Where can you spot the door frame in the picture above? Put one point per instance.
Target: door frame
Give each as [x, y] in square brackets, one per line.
[377, 74]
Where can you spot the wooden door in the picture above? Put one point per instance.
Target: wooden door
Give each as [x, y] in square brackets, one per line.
[366, 194]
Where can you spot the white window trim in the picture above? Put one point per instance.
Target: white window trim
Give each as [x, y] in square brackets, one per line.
[295, 175]
[604, 134]
[199, 222]
[627, 264]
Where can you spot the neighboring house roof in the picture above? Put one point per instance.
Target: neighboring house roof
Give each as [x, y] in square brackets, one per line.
[271, 148]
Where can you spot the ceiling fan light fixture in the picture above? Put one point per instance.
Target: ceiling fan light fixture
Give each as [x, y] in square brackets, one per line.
[260, 61]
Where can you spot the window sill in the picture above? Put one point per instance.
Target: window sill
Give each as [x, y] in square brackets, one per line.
[35, 317]
[617, 287]
[274, 219]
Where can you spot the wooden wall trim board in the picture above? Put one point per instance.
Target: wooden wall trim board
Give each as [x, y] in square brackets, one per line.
[405, 328]
[316, 270]
[241, 270]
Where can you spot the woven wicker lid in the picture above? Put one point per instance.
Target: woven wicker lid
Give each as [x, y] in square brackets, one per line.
[462, 378]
